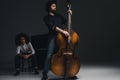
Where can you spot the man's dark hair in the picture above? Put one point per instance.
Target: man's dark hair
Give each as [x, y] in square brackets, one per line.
[18, 36]
[49, 3]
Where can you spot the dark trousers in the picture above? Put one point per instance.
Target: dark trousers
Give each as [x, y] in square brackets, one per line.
[18, 61]
[51, 49]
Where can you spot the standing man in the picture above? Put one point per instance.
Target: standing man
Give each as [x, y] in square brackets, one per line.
[56, 24]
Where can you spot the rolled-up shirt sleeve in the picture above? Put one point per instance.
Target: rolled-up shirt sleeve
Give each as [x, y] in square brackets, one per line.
[32, 49]
[18, 50]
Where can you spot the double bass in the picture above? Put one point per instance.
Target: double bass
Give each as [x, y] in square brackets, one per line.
[66, 63]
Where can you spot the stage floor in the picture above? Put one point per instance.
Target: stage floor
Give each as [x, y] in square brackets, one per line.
[86, 72]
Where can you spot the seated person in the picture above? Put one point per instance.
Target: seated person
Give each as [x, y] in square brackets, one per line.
[24, 50]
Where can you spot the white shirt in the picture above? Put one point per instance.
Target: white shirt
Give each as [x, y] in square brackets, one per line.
[25, 48]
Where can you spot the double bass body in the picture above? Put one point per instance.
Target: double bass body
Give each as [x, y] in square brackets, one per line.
[58, 61]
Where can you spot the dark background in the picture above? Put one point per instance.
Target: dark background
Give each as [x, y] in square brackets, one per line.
[96, 21]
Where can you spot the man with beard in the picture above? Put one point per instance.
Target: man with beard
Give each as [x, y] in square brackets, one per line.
[56, 24]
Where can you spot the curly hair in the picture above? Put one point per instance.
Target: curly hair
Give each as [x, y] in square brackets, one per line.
[18, 36]
[48, 4]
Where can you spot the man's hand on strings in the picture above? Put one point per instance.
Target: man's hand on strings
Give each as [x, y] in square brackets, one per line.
[70, 11]
[66, 33]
